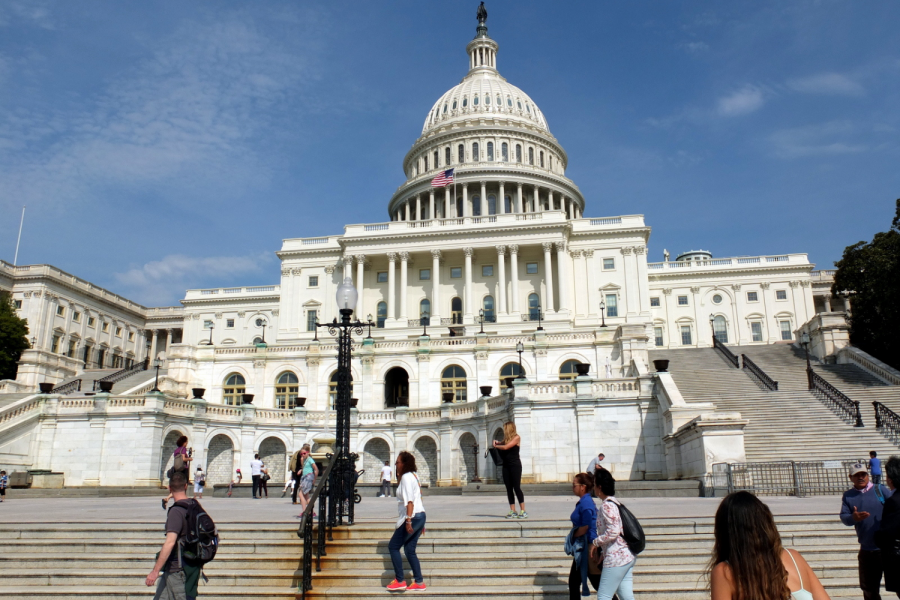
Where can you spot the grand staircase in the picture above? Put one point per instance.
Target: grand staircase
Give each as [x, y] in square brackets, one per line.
[131, 380]
[791, 423]
[478, 561]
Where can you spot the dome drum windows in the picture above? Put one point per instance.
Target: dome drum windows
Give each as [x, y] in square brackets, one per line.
[490, 151]
[504, 152]
[542, 161]
[447, 155]
[461, 155]
[465, 102]
[487, 100]
[454, 105]
[531, 156]
[474, 101]
[518, 153]
[475, 154]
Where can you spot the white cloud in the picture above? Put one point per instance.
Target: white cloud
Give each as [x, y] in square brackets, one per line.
[833, 84]
[695, 47]
[744, 101]
[161, 281]
[833, 138]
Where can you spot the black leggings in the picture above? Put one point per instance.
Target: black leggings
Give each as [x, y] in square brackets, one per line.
[512, 477]
[575, 582]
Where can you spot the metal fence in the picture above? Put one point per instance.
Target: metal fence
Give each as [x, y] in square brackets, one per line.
[787, 478]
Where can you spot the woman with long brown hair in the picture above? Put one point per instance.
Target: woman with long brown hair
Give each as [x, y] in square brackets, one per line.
[410, 524]
[749, 562]
[512, 469]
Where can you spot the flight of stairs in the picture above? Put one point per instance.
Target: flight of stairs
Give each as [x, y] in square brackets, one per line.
[133, 380]
[478, 561]
[792, 423]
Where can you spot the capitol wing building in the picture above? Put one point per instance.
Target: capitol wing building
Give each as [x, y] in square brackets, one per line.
[486, 248]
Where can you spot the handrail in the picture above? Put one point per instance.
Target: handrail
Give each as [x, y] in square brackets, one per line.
[305, 530]
[760, 375]
[885, 418]
[124, 373]
[826, 391]
[728, 354]
[68, 388]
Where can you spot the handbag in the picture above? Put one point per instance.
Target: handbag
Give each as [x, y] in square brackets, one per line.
[496, 456]
[632, 532]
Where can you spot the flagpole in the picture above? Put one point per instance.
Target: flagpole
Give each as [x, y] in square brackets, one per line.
[19, 239]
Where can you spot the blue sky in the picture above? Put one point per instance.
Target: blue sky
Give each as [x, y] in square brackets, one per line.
[161, 146]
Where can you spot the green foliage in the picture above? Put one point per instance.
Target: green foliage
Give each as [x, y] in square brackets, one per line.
[870, 271]
[13, 337]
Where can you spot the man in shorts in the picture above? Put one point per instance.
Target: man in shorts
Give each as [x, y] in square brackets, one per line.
[167, 573]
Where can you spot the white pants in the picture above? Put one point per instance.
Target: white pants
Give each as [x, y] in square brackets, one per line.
[198, 488]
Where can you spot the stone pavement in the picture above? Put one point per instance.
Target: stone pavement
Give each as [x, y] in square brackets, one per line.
[440, 509]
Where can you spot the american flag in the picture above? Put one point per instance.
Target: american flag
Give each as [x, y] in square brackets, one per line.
[444, 179]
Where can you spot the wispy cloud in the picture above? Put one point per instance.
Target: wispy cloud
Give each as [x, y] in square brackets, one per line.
[833, 84]
[833, 138]
[744, 101]
[163, 281]
[694, 47]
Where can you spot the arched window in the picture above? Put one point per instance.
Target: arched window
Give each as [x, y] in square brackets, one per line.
[487, 99]
[567, 370]
[425, 311]
[475, 155]
[465, 102]
[534, 307]
[436, 157]
[461, 158]
[509, 101]
[476, 206]
[234, 387]
[518, 153]
[426, 163]
[286, 390]
[489, 315]
[510, 370]
[332, 389]
[492, 204]
[456, 315]
[721, 329]
[519, 102]
[445, 108]
[381, 314]
[490, 151]
[447, 155]
[507, 204]
[504, 152]
[542, 161]
[531, 156]
[453, 380]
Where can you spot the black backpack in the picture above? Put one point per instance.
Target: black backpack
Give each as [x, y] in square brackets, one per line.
[200, 544]
[632, 532]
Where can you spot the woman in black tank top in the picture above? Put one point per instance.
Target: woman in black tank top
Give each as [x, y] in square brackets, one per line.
[512, 470]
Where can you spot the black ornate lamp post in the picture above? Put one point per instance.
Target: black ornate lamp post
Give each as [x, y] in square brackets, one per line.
[602, 313]
[712, 327]
[340, 500]
[520, 348]
[369, 323]
[540, 316]
[476, 479]
[481, 319]
[156, 365]
[804, 341]
[211, 327]
[316, 338]
[262, 323]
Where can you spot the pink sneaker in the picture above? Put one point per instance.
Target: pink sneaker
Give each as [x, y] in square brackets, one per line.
[416, 587]
[396, 586]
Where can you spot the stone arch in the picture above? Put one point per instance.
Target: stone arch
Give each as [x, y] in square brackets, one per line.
[425, 449]
[467, 457]
[570, 356]
[167, 457]
[498, 435]
[220, 460]
[396, 387]
[374, 453]
[273, 452]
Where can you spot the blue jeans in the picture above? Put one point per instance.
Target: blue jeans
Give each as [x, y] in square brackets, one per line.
[616, 580]
[408, 542]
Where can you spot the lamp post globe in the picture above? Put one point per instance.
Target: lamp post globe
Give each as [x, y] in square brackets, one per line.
[481, 319]
[347, 297]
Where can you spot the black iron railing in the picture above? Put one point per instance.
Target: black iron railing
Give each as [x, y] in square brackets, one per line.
[320, 492]
[532, 316]
[455, 320]
[68, 388]
[728, 354]
[124, 373]
[753, 369]
[887, 420]
[827, 392]
[425, 321]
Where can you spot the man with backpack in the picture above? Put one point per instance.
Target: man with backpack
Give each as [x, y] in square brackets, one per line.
[861, 507]
[191, 542]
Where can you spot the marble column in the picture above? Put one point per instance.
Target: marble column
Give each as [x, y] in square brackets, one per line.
[501, 281]
[418, 207]
[591, 278]
[484, 203]
[468, 296]
[360, 271]
[579, 280]
[514, 271]
[431, 213]
[562, 267]
[502, 208]
[538, 205]
[392, 305]
[827, 299]
[446, 212]
[168, 341]
[467, 210]
[436, 287]
[406, 207]
[548, 277]
[519, 199]
[404, 261]
[154, 341]
[549, 199]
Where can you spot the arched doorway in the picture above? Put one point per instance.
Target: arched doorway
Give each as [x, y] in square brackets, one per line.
[425, 451]
[167, 458]
[396, 388]
[498, 472]
[220, 460]
[720, 327]
[374, 454]
[466, 458]
[272, 452]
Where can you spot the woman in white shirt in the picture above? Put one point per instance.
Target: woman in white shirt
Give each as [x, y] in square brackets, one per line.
[410, 524]
[616, 578]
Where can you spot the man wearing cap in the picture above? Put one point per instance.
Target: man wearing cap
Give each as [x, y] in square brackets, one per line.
[861, 506]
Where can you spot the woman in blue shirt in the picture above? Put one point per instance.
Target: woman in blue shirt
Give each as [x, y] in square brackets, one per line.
[584, 522]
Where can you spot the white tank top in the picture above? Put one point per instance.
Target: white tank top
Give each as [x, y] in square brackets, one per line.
[801, 594]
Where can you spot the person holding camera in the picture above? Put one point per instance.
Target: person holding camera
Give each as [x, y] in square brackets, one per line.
[181, 464]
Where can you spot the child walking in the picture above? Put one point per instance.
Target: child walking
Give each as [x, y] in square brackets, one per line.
[4, 483]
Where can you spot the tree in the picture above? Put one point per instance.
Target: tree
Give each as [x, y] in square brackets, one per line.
[13, 337]
[870, 273]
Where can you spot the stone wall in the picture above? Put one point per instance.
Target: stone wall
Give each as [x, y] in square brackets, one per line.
[221, 461]
[425, 451]
[372, 458]
[273, 454]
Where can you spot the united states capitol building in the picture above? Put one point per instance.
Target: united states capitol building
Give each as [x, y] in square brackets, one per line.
[457, 276]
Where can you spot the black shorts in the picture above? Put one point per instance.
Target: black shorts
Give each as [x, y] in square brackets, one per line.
[2, 491]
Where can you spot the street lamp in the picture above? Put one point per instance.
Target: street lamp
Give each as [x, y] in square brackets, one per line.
[340, 500]
[316, 338]
[804, 341]
[481, 319]
[262, 323]
[602, 314]
[156, 364]
[712, 326]
[369, 321]
[520, 348]
[540, 316]
[211, 327]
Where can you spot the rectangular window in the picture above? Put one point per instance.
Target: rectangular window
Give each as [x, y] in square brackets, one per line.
[76, 316]
[54, 346]
[313, 281]
[752, 297]
[786, 333]
[487, 270]
[609, 264]
[61, 311]
[756, 331]
[118, 332]
[130, 336]
[654, 301]
[17, 303]
[229, 323]
[71, 351]
[612, 307]
[658, 336]
[311, 319]
[207, 324]
[781, 294]
[682, 301]
[383, 277]
[531, 268]
[686, 335]
[106, 328]
[424, 274]
[455, 272]
[91, 321]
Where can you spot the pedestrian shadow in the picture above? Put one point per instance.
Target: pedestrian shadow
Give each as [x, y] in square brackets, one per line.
[549, 582]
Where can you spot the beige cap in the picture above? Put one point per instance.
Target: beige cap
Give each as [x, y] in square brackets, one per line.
[858, 468]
